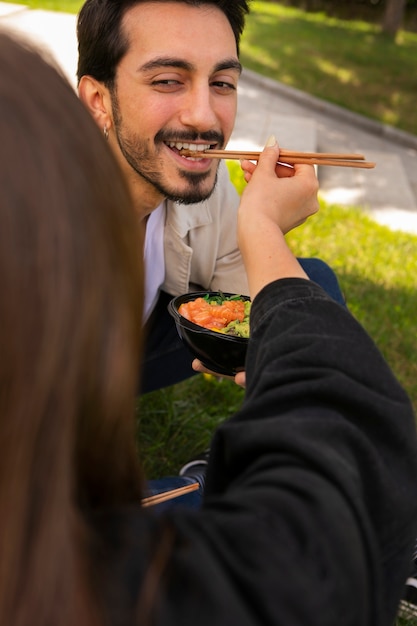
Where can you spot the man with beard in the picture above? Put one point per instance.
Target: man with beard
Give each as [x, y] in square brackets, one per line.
[159, 77]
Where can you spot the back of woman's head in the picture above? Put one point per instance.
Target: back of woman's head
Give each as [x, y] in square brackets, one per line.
[70, 317]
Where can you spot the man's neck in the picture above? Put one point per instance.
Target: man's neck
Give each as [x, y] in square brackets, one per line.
[145, 197]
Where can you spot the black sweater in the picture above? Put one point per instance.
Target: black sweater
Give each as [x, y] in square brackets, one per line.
[310, 510]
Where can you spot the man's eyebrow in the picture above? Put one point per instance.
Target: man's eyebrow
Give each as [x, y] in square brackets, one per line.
[165, 62]
[228, 64]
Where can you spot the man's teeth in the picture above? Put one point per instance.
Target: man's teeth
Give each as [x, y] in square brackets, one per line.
[192, 147]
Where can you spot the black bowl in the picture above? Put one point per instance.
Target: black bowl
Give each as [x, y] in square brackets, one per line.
[223, 354]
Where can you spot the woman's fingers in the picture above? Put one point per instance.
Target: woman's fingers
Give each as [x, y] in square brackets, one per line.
[284, 195]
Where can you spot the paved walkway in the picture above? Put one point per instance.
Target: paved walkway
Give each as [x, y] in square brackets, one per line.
[302, 122]
[299, 121]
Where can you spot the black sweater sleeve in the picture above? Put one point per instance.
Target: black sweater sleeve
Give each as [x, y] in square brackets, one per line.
[311, 496]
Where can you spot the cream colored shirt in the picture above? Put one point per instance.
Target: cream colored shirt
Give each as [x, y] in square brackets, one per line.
[200, 243]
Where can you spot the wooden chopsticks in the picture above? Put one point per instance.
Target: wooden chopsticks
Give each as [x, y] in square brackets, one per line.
[169, 495]
[288, 157]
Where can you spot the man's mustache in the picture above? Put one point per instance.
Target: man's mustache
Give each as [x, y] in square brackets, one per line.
[189, 136]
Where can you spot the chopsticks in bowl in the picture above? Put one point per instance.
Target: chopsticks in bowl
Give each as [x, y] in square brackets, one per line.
[288, 157]
[169, 495]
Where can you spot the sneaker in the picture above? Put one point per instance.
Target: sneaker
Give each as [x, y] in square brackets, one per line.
[196, 465]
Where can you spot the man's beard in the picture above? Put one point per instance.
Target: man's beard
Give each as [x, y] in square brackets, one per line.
[150, 168]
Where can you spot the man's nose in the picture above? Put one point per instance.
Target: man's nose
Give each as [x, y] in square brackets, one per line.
[198, 110]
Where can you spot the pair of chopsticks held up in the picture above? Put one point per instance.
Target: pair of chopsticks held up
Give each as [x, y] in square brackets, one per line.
[287, 157]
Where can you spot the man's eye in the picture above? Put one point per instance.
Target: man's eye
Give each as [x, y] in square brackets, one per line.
[166, 81]
[167, 85]
[223, 85]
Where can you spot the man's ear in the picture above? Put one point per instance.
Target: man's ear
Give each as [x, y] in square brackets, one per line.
[96, 98]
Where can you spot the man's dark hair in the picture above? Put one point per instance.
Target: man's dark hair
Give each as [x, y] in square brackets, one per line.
[101, 45]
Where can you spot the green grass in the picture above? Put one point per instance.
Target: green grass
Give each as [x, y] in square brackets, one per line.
[63, 6]
[348, 62]
[177, 422]
[402, 621]
[376, 268]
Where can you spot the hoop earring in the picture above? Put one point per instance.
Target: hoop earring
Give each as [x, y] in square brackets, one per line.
[105, 132]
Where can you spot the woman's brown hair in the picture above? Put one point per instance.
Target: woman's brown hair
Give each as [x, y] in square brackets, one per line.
[70, 320]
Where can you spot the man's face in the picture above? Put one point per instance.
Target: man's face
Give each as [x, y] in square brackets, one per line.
[175, 88]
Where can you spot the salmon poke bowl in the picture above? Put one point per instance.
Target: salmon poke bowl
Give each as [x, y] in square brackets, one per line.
[215, 328]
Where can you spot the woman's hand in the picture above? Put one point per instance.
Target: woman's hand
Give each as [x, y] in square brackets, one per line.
[240, 378]
[287, 195]
[275, 200]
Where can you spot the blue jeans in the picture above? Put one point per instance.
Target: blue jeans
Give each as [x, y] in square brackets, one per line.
[166, 359]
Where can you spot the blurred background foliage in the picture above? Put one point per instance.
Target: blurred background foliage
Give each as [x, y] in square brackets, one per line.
[401, 13]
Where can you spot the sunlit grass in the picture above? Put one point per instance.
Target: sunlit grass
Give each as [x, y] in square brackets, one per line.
[176, 423]
[347, 62]
[64, 6]
[376, 268]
